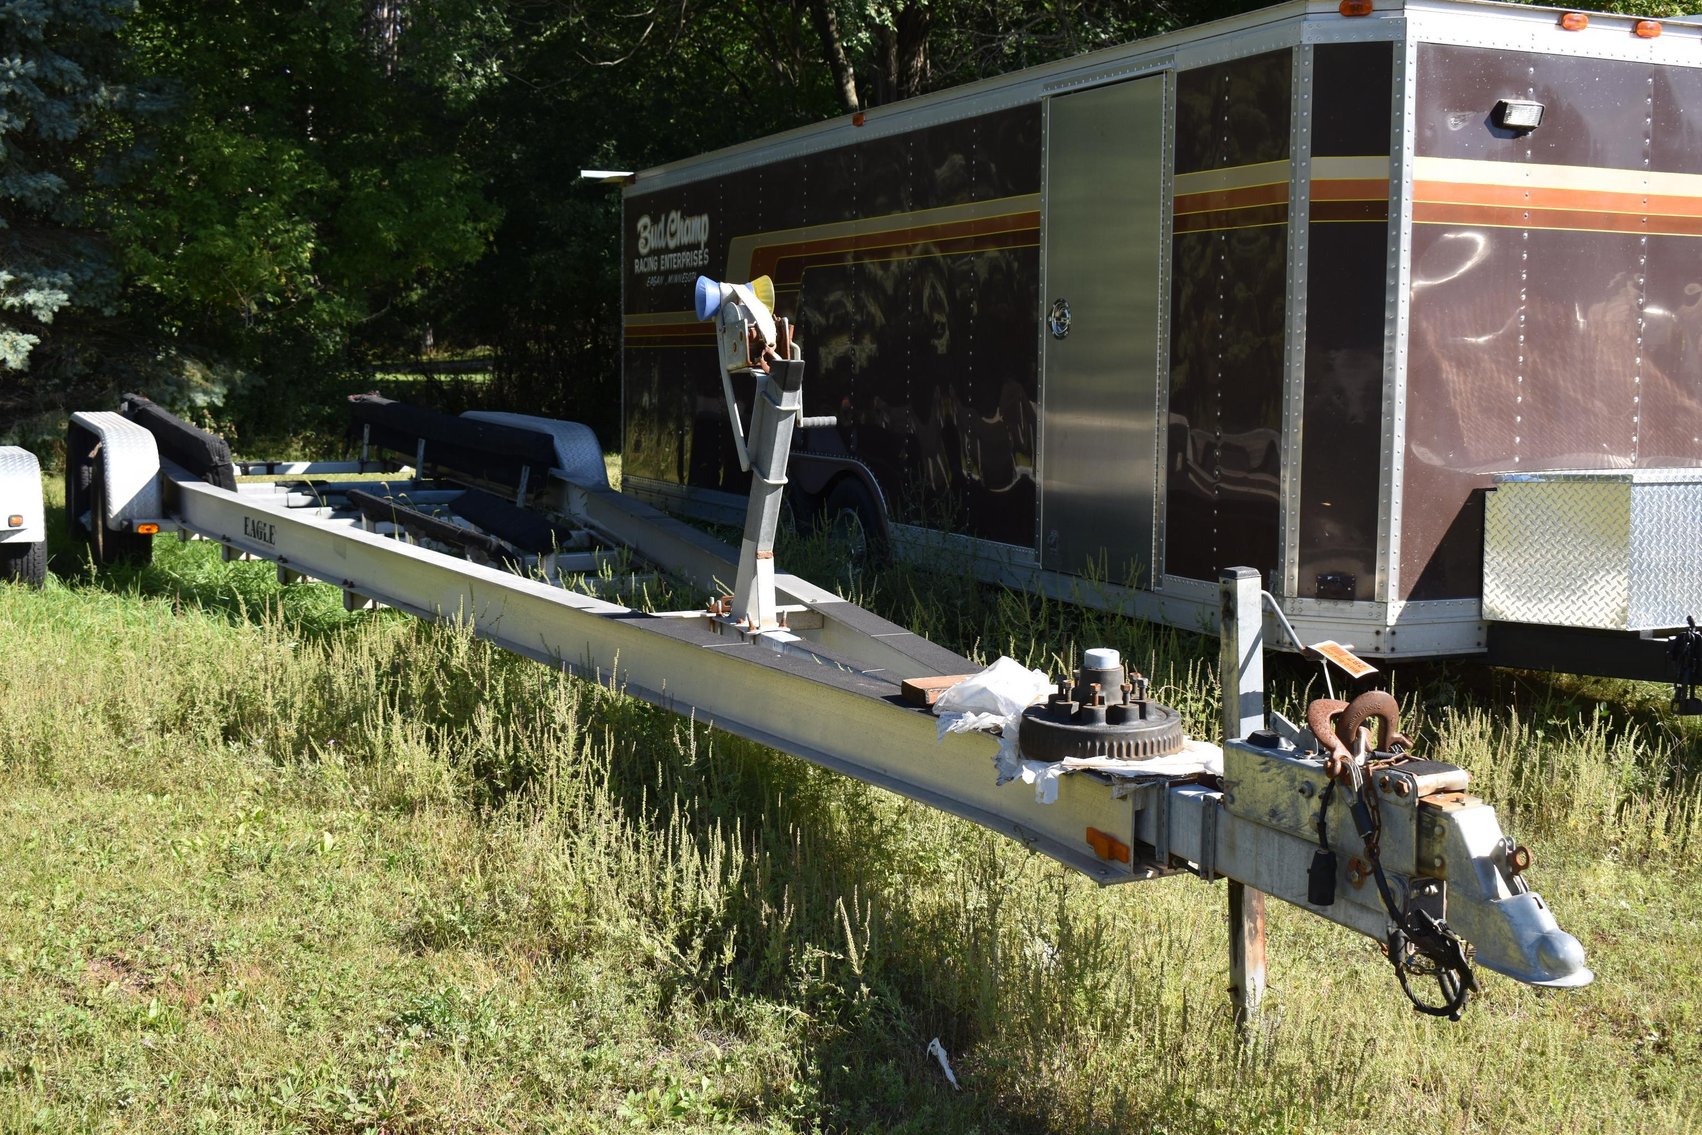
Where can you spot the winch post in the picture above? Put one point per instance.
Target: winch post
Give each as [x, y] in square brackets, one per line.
[1241, 660]
[775, 409]
[1241, 652]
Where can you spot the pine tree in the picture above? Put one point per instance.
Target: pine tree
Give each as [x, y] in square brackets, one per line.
[59, 127]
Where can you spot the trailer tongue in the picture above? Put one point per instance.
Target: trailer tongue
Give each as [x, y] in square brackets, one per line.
[1368, 836]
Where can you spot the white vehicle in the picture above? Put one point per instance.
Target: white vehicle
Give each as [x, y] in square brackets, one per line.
[23, 528]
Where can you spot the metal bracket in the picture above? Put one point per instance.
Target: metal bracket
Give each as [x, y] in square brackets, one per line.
[1207, 867]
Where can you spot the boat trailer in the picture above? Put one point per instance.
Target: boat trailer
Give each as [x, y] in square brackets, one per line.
[503, 522]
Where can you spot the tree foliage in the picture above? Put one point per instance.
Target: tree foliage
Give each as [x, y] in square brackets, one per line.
[309, 189]
[225, 201]
[58, 96]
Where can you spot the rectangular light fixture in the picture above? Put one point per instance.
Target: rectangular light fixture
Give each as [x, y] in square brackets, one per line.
[1518, 114]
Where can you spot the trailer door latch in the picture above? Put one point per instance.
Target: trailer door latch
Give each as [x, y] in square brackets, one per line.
[1059, 320]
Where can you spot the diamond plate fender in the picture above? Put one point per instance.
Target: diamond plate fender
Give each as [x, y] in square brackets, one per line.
[131, 463]
[20, 496]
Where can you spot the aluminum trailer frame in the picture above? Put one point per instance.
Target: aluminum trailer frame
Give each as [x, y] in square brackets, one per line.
[826, 684]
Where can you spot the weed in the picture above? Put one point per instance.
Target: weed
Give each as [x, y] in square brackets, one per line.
[269, 865]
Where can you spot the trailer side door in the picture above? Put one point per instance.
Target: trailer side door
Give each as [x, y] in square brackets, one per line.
[1100, 329]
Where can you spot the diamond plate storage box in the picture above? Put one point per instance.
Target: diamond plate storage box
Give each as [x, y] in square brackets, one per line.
[1608, 549]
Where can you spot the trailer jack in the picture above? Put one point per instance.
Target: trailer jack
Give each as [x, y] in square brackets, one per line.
[1685, 651]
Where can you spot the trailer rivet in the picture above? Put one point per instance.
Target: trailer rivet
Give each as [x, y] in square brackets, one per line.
[1436, 862]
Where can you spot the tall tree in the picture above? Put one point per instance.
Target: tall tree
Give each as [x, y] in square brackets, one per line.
[61, 139]
[307, 191]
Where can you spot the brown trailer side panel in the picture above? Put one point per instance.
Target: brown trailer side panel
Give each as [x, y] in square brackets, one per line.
[1227, 310]
[1346, 288]
[910, 265]
[1550, 272]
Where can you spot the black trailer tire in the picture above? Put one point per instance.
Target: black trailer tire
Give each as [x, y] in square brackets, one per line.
[79, 476]
[24, 563]
[852, 519]
[113, 548]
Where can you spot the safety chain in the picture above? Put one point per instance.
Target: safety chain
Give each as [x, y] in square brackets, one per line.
[1419, 943]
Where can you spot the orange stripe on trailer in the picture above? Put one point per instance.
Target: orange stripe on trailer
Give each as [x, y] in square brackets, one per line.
[788, 271]
[1351, 189]
[1557, 197]
[1217, 200]
[1578, 220]
[1261, 217]
[767, 259]
[1333, 199]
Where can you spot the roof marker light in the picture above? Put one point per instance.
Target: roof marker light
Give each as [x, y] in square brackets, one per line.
[1354, 7]
[1647, 29]
[1574, 21]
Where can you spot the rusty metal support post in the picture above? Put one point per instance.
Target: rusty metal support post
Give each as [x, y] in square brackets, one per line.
[1241, 660]
[1246, 951]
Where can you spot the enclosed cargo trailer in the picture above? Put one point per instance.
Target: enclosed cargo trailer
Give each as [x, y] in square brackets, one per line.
[1294, 290]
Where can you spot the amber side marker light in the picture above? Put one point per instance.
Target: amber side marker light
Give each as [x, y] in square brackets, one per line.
[147, 529]
[1107, 846]
[1354, 7]
[1574, 21]
[1648, 29]
[14, 522]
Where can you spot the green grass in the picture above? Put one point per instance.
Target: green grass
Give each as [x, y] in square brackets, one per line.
[269, 866]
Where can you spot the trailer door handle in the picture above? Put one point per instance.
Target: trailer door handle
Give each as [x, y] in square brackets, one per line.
[1059, 320]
